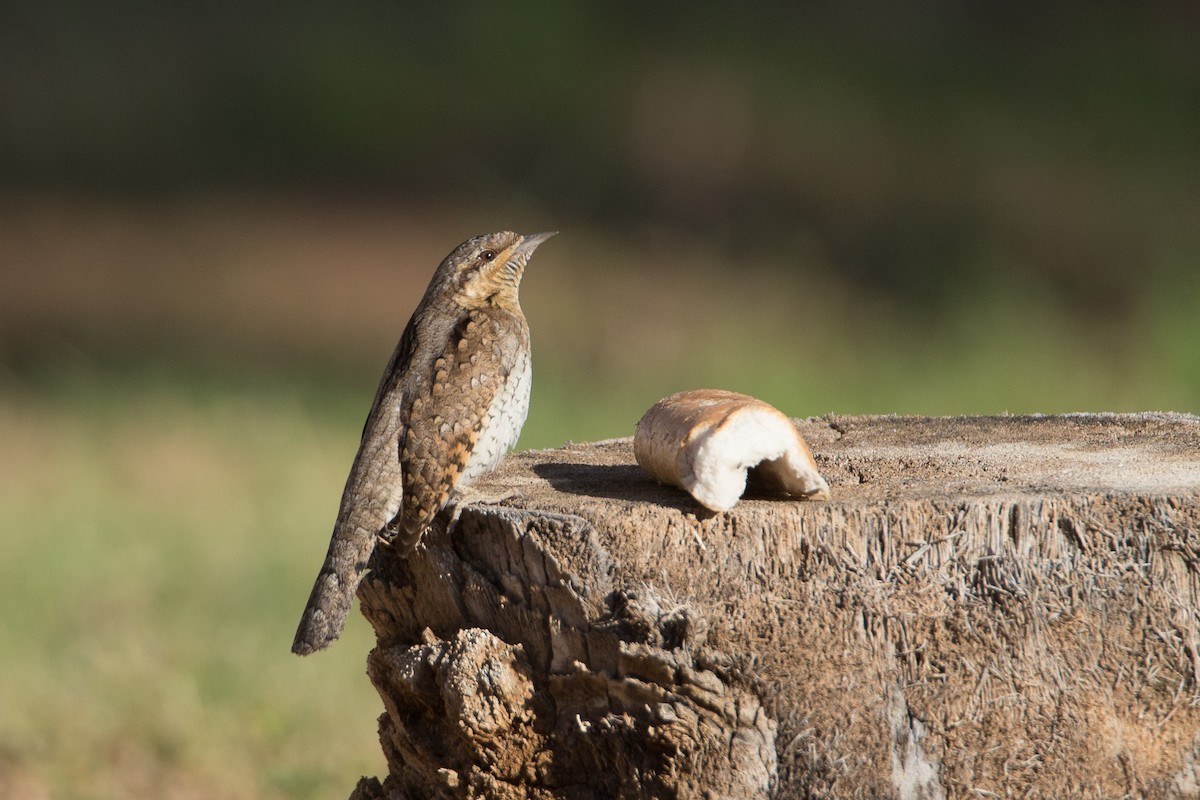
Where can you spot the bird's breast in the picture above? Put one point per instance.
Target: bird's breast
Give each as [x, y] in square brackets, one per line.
[501, 424]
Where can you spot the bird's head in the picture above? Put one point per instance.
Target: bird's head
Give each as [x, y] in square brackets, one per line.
[488, 269]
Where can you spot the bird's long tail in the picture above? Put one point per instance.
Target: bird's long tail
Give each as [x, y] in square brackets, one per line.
[333, 593]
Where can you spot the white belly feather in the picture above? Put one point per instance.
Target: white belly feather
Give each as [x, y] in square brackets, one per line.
[502, 424]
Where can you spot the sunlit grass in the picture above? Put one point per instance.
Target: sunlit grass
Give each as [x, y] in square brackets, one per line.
[156, 558]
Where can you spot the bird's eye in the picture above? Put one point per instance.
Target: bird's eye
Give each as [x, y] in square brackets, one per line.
[487, 255]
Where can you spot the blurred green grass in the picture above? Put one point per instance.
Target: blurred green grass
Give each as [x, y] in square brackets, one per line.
[154, 556]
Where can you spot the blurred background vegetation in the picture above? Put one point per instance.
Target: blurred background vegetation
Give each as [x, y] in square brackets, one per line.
[215, 220]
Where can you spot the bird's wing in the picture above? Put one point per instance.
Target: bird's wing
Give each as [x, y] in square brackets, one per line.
[396, 367]
[447, 418]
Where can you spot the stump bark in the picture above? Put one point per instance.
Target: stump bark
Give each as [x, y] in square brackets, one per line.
[988, 607]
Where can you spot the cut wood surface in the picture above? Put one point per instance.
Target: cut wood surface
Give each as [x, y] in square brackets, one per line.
[987, 607]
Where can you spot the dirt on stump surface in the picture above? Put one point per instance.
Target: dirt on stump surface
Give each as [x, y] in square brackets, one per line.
[987, 607]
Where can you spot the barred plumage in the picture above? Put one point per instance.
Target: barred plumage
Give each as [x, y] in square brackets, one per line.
[451, 403]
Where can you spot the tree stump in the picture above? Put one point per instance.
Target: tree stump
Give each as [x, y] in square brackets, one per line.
[988, 607]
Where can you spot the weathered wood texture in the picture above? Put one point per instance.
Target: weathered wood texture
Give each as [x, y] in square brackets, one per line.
[988, 607]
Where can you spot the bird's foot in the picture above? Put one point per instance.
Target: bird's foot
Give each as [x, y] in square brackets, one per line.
[386, 536]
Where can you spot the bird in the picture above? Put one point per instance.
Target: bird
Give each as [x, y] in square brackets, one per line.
[450, 404]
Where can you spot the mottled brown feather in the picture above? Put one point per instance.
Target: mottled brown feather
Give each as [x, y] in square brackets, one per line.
[466, 345]
[484, 350]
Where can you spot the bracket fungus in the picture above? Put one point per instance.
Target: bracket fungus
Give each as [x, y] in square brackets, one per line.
[712, 442]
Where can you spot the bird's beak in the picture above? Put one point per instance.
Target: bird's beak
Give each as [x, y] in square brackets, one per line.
[529, 243]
